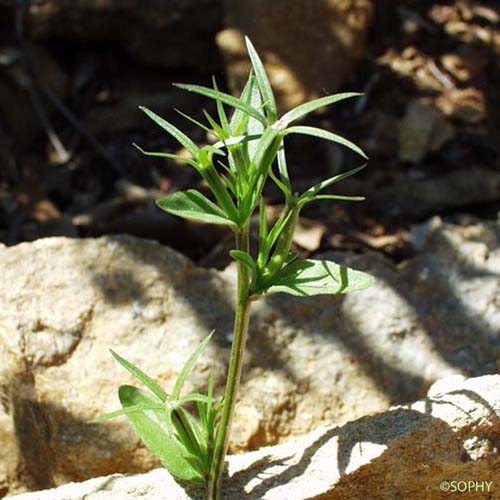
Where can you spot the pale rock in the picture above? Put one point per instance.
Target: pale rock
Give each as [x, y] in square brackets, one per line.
[405, 452]
[309, 362]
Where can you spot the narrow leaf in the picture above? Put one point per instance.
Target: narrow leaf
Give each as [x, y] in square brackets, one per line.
[222, 112]
[264, 146]
[240, 119]
[192, 120]
[262, 222]
[215, 126]
[210, 389]
[244, 258]
[316, 277]
[173, 131]
[262, 81]
[278, 227]
[196, 463]
[167, 155]
[325, 134]
[284, 189]
[193, 205]
[202, 412]
[283, 169]
[191, 398]
[199, 434]
[254, 127]
[140, 375]
[328, 182]
[188, 366]
[338, 197]
[239, 139]
[223, 97]
[150, 425]
[126, 411]
[184, 432]
[308, 107]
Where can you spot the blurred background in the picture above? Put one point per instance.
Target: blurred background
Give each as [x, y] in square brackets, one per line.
[73, 72]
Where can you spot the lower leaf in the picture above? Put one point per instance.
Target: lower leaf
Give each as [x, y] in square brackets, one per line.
[151, 425]
[316, 277]
[191, 204]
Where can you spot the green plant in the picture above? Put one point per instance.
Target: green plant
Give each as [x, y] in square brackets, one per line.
[249, 147]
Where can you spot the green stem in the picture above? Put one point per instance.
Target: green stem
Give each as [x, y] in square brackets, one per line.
[234, 371]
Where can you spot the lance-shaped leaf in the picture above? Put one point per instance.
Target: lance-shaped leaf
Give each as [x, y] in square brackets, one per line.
[234, 140]
[240, 118]
[151, 427]
[127, 411]
[193, 205]
[245, 259]
[313, 191]
[170, 156]
[304, 109]
[338, 197]
[140, 375]
[262, 82]
[217, 129]
[317, 277]
[329, 136]
[254, 127]
[283, 170]
[192, 120]
[223, 97]
[222, 112]
[188, 366]
[173, 131]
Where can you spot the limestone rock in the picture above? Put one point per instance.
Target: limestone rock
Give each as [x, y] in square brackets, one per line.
[413, 451]
[64, 303]
[174, 34]
[309, 48]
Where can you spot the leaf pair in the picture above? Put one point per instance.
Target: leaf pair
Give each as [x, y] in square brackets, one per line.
[182, 442]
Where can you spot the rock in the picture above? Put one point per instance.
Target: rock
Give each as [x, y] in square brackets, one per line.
[65, 302]
[309, 48]
[466, 22]
[413, 64]
[465, 64]
[465, 105]
[418, 198]
[174, 34]
[308, 234]
[414, 451]
[422, 130]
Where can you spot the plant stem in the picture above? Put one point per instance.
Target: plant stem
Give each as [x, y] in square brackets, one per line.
[241, 318]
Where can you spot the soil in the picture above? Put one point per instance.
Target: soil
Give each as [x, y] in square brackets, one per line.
[444, 56]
